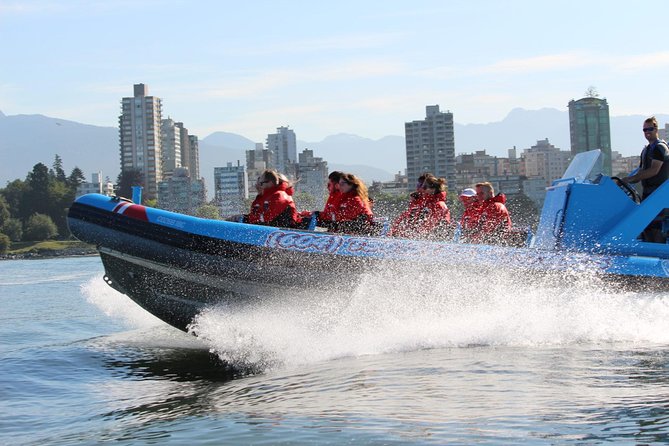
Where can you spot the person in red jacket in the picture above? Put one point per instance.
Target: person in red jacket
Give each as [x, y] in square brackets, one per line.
[353, 213]
[274, 205]
[326, 217]
[428, 216]
[470, 216]
[494, 222]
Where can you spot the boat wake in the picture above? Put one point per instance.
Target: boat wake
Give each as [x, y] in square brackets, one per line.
[433, 310]
[416, 310]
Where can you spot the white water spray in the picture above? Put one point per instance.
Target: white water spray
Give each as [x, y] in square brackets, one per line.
[395, 311]
[116, 305]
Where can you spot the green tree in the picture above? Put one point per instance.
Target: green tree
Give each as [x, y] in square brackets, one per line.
[36, 198]
[13, 228]
[14, 193]
[75, 179]
[305, 201]
[58, 172]
[40, 227]
[5, 244]
[4, 211]
[127, 179]
[208, 211]
[388, 205]
[523, 211]
[60, 199]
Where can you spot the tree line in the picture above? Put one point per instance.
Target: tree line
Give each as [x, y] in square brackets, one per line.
[36, 208]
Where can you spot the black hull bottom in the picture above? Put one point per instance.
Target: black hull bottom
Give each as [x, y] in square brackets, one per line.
[177, 295]
[157, 291]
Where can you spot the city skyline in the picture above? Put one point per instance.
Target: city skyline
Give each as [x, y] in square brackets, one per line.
[248, 69]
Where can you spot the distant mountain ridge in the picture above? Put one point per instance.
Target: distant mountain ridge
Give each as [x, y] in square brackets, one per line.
[29, 139]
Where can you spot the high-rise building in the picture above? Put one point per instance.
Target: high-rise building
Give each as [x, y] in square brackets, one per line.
[312, 176]
[140, 138]
[181, 192]
[172, 149]
[590, 128]
[544, 160]
[231, 189]
[194, 156]
[257, 161]
[430, 146]
[283, 145]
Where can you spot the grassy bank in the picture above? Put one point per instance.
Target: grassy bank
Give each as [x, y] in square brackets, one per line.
[50, 248]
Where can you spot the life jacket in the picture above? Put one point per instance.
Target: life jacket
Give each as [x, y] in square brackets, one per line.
[352, 215]
[647, 157]
[427, 216]
[274, 207]
[331, 206]
[493, 220]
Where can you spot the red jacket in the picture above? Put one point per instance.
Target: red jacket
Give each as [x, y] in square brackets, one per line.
[492, 220]
[469, 222]
[426, 216]
[331, 206]
[351, 207]
[274, 207]
[352, 215]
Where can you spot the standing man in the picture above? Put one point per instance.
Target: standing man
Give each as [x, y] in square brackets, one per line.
[654, 165]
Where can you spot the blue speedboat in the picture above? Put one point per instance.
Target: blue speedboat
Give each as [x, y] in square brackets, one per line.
[176, 265]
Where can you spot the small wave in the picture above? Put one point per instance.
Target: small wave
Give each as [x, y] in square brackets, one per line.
[31, 280]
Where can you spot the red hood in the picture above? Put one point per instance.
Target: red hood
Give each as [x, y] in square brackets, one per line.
[286, 187]
[499, 198]
[440, 196]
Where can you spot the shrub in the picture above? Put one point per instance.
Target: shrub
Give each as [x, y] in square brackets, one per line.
[13, 229]
[5, 244]
[40, 227]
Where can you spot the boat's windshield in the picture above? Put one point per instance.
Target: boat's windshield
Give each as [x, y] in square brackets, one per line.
[584, 167]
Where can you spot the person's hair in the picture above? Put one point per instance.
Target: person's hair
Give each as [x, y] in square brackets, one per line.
[435, 183]
[652, 121]
[488, 185]
[358, 186]
[421, 179]
[284, 179]
[272, 176]
[335, 176]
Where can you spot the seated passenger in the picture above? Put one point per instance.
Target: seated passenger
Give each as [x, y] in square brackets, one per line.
[470, 216]
[493, 217]
[419, 192]
[326, 217]
[427, 216]
[352, 214]
[274, 205]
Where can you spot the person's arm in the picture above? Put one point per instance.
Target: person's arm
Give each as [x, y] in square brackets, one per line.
[644, 174]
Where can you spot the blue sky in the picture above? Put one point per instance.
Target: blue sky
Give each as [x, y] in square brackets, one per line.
[362, 67]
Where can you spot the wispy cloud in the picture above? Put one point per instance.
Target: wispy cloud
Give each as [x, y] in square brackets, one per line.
[548, 62]
[256, 83]
[28, 7]
[345, 42]
[641, 62]
[534, 64]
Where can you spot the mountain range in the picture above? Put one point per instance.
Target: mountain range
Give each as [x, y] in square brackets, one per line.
[29, 139]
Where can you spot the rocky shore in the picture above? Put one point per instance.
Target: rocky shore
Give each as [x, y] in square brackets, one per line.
[50, 253]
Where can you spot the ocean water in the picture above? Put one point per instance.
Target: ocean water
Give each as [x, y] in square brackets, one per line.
[430, 360]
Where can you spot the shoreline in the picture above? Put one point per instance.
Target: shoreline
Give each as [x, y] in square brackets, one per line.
[50, 254]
